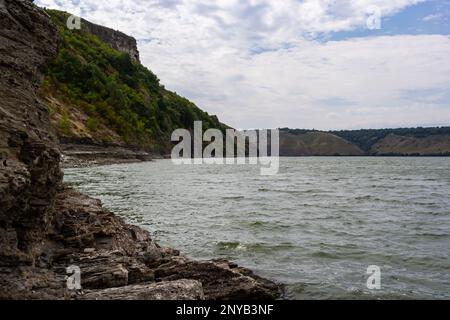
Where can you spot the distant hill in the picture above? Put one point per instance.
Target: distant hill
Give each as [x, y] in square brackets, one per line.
[99, 93]
[392, 144]
[378, 142]
[367, 138]
[315, 143]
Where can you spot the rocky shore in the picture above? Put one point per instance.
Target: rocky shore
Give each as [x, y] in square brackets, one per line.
[120, 261]
[79, 155]
[46, 227]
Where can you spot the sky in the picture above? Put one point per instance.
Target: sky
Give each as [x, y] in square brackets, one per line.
[316, 64]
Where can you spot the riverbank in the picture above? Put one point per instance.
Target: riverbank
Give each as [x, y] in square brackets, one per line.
[80, 155]
[121, 261]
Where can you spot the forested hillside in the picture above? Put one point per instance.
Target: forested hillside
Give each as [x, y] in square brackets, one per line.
[366, 138]
[98, 94]
[376, 142]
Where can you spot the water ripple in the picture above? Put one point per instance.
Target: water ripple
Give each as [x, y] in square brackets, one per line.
[316, 226]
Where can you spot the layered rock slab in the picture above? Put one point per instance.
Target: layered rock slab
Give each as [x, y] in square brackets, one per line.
[171, 290]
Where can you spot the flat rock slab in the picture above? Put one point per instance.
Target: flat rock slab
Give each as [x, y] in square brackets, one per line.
[167, 290]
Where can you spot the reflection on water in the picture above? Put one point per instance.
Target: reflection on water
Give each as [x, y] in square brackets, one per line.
[316, 226]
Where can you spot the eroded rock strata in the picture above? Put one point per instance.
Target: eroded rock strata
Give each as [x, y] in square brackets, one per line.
[46, 227]
[116, 39]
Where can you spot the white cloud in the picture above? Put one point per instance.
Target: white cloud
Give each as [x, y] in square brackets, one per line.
[207, 52]
[433, 17]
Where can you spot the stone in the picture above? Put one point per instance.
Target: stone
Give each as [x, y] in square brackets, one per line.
[171, 290]
[221, 280]
[115, 39]
[29, 173]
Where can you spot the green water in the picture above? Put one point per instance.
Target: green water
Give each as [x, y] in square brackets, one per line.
[316, 226]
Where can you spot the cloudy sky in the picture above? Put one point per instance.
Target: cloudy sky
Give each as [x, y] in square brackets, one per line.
[293, 63]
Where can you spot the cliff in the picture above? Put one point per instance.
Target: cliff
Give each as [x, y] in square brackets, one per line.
[29, 151]
[116, 39]
[99, 95]
[46, 227]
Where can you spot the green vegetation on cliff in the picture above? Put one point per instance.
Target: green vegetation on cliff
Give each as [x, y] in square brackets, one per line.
[120, 100]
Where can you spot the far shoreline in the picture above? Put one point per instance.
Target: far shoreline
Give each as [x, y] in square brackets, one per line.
[73, 163]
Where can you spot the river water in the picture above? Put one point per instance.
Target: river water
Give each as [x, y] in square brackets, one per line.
[316, 226]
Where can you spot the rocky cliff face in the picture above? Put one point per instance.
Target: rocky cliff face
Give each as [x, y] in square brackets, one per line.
[116, 39]
[45, 227]
[100, 96]
[29, 155]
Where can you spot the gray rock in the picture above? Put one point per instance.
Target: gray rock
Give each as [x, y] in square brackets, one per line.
[171, 290]
[221, 279]
[116, 39]
[29, 150]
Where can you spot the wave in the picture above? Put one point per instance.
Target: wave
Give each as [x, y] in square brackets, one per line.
[233, 198]
[252, 247]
